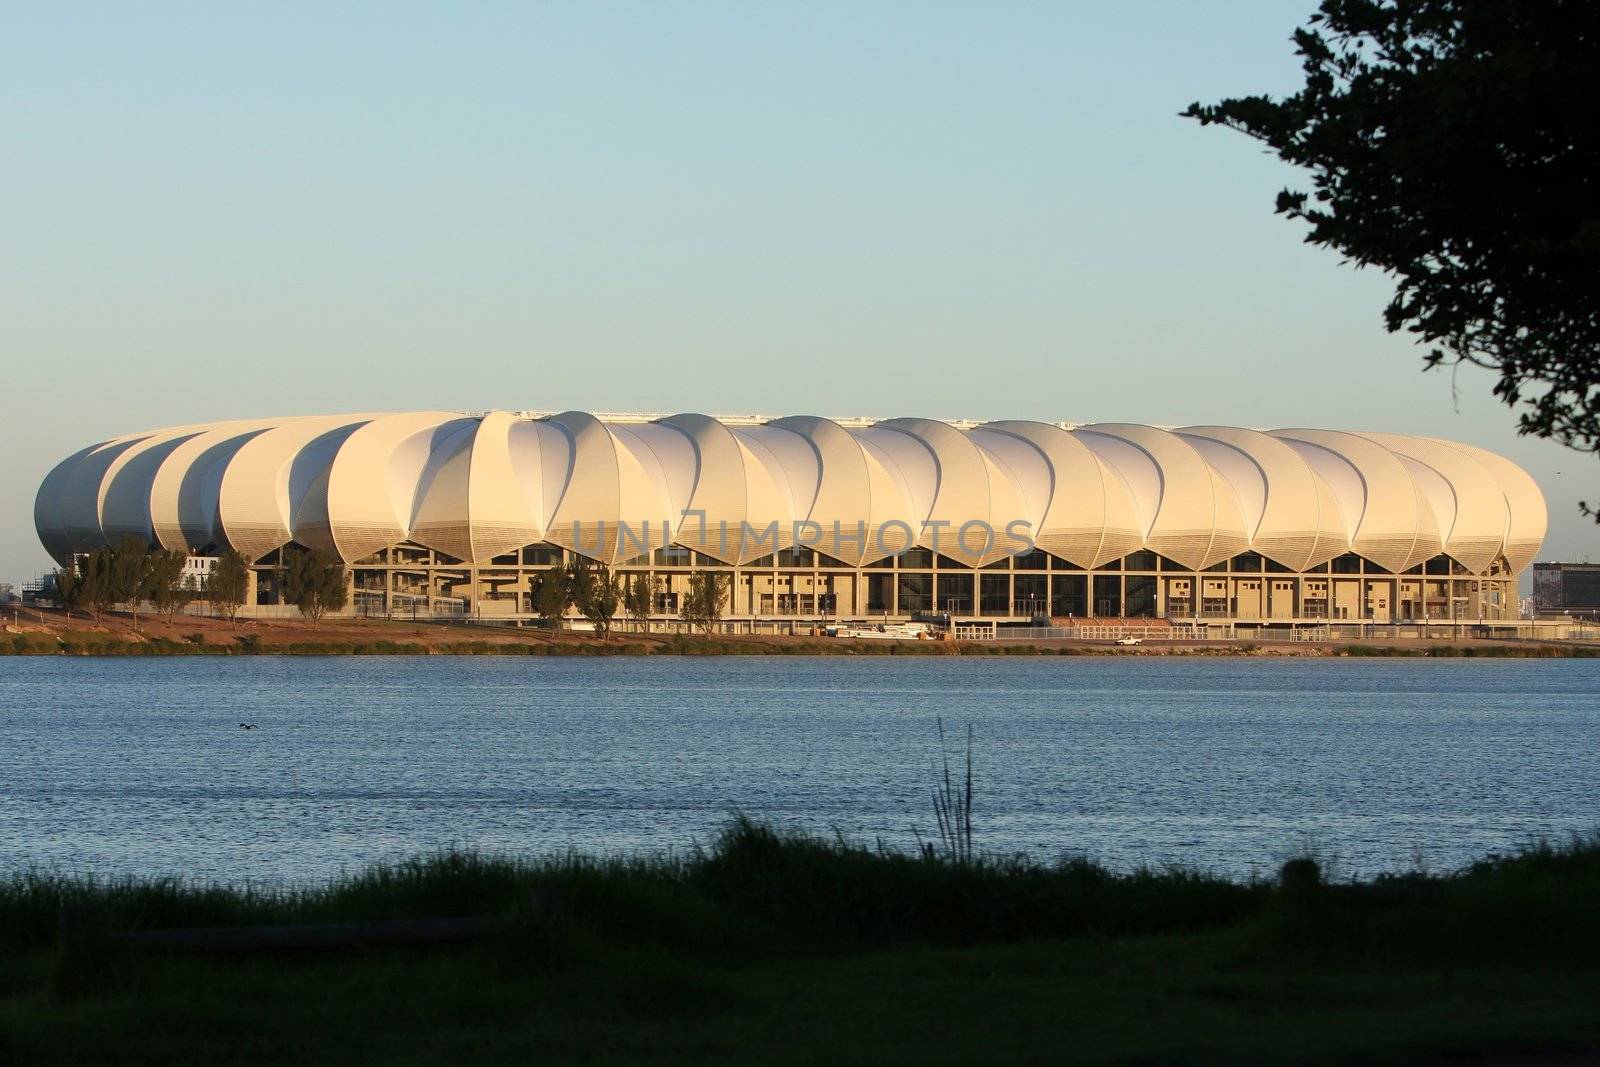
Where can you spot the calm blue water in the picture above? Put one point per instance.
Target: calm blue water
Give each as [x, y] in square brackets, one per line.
[1226, 764]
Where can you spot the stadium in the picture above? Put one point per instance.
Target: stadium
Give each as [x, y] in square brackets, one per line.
[999, 524]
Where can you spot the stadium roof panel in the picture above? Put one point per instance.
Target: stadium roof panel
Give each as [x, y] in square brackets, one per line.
[611, 485]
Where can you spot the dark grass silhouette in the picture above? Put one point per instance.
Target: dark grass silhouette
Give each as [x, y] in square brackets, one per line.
[782, 945]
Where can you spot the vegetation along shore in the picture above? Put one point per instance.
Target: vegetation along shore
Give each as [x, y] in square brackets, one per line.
[790, 948]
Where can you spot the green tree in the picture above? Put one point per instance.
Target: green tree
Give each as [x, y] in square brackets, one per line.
[99, 588]
[595, 593]
[70, 585]
[703, 604]
[639, 597]
[165, 585]
[552, 592]
[126, 573]
[130, 574]
[1455, 145]
[313, 581]
[228, 583]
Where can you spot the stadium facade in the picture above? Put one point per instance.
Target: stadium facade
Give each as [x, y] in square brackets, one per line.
[442, 513]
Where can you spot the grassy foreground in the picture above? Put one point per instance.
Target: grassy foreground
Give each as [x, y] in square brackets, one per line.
[793, 949]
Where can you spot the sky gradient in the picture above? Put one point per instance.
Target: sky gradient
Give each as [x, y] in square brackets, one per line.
[957, 211]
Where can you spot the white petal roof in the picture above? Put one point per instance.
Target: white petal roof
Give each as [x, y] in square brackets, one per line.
[612, 487]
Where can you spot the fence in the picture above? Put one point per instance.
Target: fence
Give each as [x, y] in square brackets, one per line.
[1100, 632]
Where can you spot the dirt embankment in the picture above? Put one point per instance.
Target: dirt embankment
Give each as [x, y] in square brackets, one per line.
[43, 632]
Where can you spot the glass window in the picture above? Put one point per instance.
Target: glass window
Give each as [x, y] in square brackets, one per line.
[1107, 594]
[1030, 595]
[1247, 563]
[917, 559]
[1438, 565]
[1218, 568]
[1059, 564]
[996, 594]
[1141, 596]
[955, 593]
[825, 560]
[1349, 563]
[1069, 595]
[764, 563]
[1372, 568]
[916, 593]
[1274, 567]
[1174, 565]
[948, 564]
[878, 588]
[1142, 560]
[672, 556]
[1031, 561]
[1113, 565]
[797, 557]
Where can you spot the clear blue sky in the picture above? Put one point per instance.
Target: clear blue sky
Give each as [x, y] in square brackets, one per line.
[980, 210]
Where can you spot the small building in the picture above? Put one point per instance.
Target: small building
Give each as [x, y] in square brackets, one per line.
[40, 592]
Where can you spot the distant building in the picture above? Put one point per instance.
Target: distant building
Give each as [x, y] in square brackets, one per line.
[40, 592]
[8, 592]
[1567, 589]
[196, 571]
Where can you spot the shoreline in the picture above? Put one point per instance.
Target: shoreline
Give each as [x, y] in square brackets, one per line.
[51, 633]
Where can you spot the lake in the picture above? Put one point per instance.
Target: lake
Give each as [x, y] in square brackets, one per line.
[1226, 764]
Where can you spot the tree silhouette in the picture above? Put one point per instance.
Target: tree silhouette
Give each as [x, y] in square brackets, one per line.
[1455, 145]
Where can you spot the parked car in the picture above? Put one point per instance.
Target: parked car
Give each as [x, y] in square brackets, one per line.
[1131, 641]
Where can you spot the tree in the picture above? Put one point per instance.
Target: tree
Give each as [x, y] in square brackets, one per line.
[165, 585]
[552, 592]
[70, 585]
[313, 581]
[100, 580]
[639, 597]
[702, 604]
[130, 573]
[98, 585]
[1455, 144]
[228, 583]
[595, 593]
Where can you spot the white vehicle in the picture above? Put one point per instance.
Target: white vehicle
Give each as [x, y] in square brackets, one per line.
[1131, 641]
